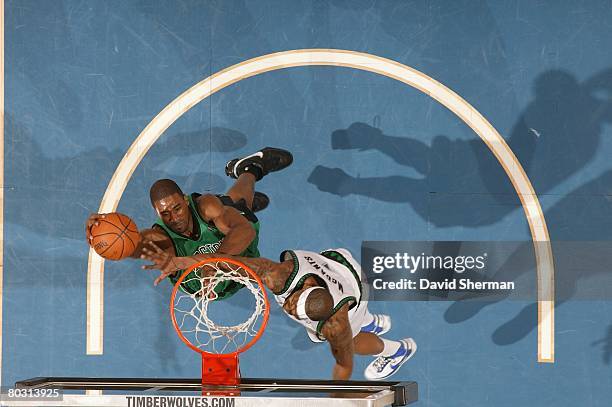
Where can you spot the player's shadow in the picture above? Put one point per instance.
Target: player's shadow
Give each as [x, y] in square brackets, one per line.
[213, 139]
[606, 345]
[579, 263]
[556, 135]
[75, 184]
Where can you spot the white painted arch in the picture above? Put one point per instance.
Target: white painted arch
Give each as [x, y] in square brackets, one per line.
[349, 59]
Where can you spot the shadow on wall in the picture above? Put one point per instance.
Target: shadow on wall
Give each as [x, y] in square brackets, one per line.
[584, 214]
[555, 136]
[75, 184]
[606, 345]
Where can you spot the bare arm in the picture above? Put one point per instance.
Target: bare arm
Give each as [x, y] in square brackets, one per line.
[158, 237]
[272, 274]
[239, 233]
[337, 331]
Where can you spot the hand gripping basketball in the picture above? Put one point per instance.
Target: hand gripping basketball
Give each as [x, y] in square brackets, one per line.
[113, 236]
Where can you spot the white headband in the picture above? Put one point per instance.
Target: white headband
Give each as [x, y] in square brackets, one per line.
[301, 304]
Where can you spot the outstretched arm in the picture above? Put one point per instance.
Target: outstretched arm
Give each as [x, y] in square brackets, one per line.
[272, 274]
[156, 236]
[337, 331]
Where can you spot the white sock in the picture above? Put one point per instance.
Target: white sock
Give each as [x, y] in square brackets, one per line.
[390, 347]
[369, 320]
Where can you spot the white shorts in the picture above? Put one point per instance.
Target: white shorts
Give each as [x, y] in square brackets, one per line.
[360, 318]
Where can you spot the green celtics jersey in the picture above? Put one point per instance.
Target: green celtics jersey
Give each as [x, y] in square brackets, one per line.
[207, 239]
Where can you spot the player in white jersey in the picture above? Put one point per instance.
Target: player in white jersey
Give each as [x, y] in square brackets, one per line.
[324, 293]
[341, 277]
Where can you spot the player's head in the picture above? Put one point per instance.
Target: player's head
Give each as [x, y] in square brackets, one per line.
[315, 303]
[171, 205]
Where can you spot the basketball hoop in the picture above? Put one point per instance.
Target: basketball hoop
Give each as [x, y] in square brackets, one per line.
[219, 344]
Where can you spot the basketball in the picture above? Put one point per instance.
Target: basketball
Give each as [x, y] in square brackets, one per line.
[115, 237]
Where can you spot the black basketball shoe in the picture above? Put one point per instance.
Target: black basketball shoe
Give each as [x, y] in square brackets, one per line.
[260, 201]
[259, 164]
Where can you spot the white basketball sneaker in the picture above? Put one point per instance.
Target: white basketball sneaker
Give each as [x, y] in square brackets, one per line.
[379, 326]
[384, 366]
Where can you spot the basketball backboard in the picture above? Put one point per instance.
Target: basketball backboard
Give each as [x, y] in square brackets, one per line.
[138, 392]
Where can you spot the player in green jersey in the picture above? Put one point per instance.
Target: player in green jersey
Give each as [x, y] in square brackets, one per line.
[198, 224]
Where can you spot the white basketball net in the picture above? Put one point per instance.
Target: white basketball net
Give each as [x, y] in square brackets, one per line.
[191, 310]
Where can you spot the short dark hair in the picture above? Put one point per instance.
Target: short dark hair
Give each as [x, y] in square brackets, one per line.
[319, 305]
[163, 188]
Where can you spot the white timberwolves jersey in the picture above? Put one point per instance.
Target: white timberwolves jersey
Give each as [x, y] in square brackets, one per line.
[341, 275]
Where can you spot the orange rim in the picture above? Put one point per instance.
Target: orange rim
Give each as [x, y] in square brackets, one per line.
[252, 274]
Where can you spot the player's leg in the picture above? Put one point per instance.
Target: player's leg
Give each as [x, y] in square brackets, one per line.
[366, 343]
[242, 195]
[243, 189]
[378, 324]
[370, 344]
[390, 355]
[252, 168]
